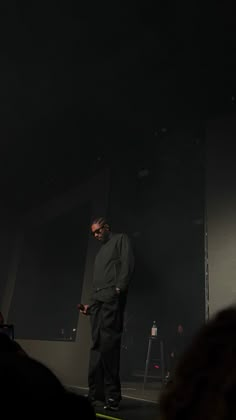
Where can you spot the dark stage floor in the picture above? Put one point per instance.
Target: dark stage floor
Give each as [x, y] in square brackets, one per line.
[132, 410]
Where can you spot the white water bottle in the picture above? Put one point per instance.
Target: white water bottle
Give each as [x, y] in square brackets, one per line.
[154, 329]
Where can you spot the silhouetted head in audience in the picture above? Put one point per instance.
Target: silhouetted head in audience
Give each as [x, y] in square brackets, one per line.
[35, 391]
[9, 346]
[204, 383]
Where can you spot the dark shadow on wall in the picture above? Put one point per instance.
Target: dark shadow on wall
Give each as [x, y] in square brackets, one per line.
[7, 239]
[50, 277]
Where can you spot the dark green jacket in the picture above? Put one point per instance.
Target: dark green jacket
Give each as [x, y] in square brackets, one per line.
[113, 267]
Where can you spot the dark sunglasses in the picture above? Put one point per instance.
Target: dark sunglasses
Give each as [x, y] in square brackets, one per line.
[97, 231]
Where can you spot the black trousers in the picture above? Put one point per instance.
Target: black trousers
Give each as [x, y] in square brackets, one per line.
[104, 367]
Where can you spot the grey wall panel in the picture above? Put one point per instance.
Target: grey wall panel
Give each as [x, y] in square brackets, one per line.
[221, 212]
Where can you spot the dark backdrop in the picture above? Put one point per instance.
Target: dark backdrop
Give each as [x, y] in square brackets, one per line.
[158, 198]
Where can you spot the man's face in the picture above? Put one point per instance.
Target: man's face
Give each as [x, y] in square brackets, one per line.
[100, 232]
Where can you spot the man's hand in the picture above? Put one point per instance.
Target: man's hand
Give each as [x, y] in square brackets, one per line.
[83, 308]
[172, 355]
[117, 290]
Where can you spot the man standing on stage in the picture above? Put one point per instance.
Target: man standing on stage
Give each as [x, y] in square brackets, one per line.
[113, 268]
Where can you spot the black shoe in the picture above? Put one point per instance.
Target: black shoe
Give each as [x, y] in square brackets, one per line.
[112, 405]
[95, 403]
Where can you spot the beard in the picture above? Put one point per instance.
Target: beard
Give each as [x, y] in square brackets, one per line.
[105, 237]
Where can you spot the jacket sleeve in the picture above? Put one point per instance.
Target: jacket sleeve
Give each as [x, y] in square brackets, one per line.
[126, 263]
